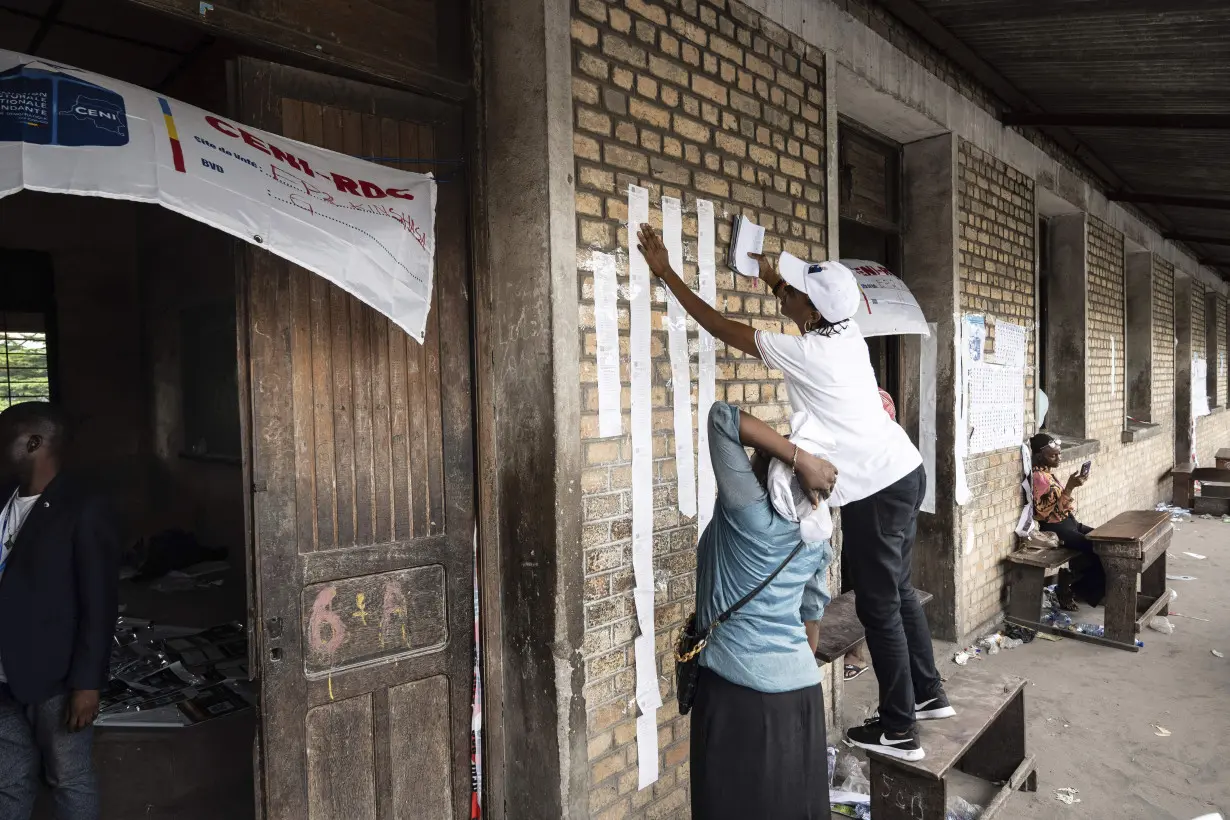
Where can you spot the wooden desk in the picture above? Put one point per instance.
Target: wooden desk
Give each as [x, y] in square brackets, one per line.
[1133, 545]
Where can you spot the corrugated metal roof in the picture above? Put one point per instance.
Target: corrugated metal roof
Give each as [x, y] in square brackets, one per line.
[1120, 56]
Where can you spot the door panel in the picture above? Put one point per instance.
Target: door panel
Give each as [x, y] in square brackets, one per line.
[363, 476]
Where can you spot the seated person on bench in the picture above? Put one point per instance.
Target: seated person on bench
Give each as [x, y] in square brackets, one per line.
[1055, 511]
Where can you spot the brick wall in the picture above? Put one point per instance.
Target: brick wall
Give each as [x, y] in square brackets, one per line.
[1104, 339]
[996, 213]
[692, 100]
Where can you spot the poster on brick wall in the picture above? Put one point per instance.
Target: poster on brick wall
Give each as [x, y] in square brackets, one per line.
[997, 407]
[1200, 387]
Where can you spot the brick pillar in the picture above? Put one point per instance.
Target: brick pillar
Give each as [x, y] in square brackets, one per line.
[528, 365]
[930, 268]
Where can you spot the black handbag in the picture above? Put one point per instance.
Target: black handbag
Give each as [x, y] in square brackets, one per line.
[689, 644]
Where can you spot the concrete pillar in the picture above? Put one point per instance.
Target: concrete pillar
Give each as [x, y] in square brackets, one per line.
[1138, 333]
[1184, 344]
[1067, 320]
[930, 268]
[531, 448]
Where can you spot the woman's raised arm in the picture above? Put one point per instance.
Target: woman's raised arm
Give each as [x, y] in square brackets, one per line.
[735, 334]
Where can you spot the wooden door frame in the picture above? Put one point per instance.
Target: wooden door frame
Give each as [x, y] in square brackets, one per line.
[548, 737]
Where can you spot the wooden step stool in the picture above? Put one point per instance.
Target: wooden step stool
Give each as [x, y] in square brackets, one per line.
[985, 739]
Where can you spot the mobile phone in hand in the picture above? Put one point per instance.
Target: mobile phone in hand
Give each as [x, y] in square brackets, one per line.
[1085, 469]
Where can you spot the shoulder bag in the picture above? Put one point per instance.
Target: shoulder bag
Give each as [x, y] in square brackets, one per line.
[690, 642]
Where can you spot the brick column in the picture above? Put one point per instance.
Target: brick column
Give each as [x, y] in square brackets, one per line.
[529, 401]
[931, 271]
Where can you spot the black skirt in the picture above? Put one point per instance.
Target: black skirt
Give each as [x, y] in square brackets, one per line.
[758, 756]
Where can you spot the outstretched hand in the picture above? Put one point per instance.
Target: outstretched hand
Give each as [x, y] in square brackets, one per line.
[651, 247]
[768, 272]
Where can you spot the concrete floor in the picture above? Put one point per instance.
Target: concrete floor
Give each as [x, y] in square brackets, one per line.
[1090, 709]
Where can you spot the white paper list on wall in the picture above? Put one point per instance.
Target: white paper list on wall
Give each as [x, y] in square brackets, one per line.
[606, 324]
[681, 368]
[706, 257]
[929, 361]
[644, 656]
[1011, 341]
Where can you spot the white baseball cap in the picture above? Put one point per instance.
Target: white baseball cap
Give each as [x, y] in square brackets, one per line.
[830, 286]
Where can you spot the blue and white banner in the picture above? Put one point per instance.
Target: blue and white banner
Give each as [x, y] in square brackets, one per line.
[368, 229]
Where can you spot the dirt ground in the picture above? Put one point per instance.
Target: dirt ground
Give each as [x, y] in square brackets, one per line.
[1091, 709]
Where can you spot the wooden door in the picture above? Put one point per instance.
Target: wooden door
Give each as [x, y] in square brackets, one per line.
[362, 464]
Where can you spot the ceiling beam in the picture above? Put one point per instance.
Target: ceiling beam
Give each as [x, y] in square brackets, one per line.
[1198, 239]
[44, 27]
[1170, 199]
[1118, 120]
[122, 38]
[947, 43]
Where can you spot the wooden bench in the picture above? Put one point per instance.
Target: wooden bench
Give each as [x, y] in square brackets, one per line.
[840, 629]
[1214, 498]
[1027, 572]
[1133, 545]
[985, 739]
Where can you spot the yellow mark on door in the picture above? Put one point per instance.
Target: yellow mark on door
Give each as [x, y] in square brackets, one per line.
[360, 601]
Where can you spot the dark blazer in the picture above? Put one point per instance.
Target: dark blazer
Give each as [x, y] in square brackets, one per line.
[58, 595]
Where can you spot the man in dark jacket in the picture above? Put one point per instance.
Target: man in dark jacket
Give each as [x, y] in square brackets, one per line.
[58, 586]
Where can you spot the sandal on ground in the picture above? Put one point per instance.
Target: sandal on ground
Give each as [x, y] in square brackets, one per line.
[853, 671]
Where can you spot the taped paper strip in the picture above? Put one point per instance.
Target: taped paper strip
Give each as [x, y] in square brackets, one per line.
[647, 749]
[681, 369]
[606, 323]
[929, 357]
[648, 695]
[706, 255]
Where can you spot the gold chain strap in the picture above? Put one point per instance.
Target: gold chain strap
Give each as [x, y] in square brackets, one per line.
[684, 657]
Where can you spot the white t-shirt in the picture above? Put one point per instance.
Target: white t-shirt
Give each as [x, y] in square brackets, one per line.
[12, 518]
[831, 378]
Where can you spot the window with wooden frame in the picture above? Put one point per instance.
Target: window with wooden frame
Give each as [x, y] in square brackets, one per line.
[27, 325]
[870, 208]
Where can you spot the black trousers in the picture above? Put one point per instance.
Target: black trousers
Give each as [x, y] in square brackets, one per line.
[877, 540]
[1089, 576]
[758, 756]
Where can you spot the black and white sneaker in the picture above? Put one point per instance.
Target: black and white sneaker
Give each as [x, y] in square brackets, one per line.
[873, 737]
[934, 708]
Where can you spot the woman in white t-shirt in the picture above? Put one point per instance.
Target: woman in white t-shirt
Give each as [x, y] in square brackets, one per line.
[828, 373]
